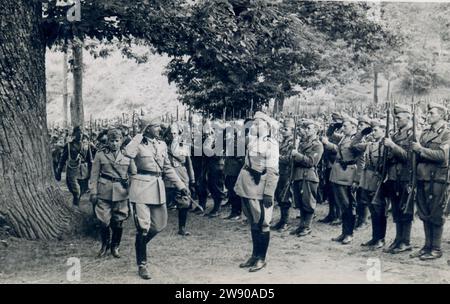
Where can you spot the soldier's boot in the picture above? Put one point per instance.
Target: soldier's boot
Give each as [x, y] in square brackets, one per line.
[375, 220]
[436, 252]
[264, 239]
[307, 220]
[115, 239]
[397, 240]
[141, 255]
[216, 208]
[361, 221]
[255, 249]
[428, 242]
[282, 223]
[182, 219]
[330, 216]
[405, 244]
[105, 236]
[76, 199]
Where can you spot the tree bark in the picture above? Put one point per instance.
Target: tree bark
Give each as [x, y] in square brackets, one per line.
[77, 111]
[30, 200]
[65, 92]
[375, 86]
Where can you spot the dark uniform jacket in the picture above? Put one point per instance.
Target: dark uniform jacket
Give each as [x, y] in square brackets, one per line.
[432, 162]
[399, 157]
[306, 163]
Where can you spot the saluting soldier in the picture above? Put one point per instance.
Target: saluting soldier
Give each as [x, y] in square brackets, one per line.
[359, 144]
[343, 177]
[256, 186]
[179, 156]
[147, 193]
[395, 189]
[432, 180]
[329, 157]
[371, 176]
[78, 157]
[306, 180]
[109, 191]
[286, 148]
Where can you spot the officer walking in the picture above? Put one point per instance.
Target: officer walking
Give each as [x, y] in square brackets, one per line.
[256, 186]
[432, 180]
[306, 180]
[109, 191]
[147, 193]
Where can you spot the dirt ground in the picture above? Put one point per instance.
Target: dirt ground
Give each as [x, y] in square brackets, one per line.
[214, 250]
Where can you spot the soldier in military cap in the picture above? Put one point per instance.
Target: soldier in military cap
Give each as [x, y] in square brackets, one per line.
[109, 191]
[256, 185]
[78, 157]
[286, 148]
[343, 177]
[329, 157]
[359, 144]
[395, 189]
[147, 193]
[179, 156]
[306, 180]
[432, 180]
[371, 176]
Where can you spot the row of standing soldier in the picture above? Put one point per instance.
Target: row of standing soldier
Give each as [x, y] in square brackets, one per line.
[364, 165]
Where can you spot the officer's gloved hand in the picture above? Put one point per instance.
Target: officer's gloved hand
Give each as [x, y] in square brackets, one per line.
[185, 192]
[93, 198]
[366, 131]
[58, 176]
[267, 201]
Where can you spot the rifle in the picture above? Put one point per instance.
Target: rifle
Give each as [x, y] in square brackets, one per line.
[385, 154]
[291, 166]
[412, 187]
[133, 123]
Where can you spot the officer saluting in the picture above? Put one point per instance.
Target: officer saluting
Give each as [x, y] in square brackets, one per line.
[109, 191]
[147, 192]
[432, 180]
[256, 185]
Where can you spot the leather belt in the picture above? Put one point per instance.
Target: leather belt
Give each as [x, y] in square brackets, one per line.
[151, 173]
[252, 170]
[110, 178]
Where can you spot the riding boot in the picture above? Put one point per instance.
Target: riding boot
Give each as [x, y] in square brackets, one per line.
[255, 249]
[115, 239]
[141, 249]
[105, 236]
[264, 239]
[182, 219]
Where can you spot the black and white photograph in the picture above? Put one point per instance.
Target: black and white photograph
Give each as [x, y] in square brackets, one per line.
[218, 142]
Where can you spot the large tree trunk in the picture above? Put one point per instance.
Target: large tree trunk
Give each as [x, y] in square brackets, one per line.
[30, 200]
[65, 92]
[375, 87]
[77, 111]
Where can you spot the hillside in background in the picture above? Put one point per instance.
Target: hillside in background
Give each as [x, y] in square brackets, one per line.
[113, 86]
[116, 84]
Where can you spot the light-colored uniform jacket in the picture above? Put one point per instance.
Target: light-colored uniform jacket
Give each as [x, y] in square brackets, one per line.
[106, 189]
[262, 156]
[152, 157]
